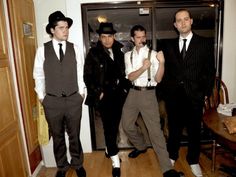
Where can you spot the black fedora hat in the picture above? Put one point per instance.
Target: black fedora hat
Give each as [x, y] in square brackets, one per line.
[106, 28]
[55, 17]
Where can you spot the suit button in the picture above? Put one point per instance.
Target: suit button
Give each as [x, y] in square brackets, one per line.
[63, 94]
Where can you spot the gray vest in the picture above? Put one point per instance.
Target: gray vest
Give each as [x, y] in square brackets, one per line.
[60, 77]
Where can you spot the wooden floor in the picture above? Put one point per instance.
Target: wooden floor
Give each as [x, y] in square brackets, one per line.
[145, 165]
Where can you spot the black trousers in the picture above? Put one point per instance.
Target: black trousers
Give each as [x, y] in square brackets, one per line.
[110, 109]
[183, 113]
[64, 114]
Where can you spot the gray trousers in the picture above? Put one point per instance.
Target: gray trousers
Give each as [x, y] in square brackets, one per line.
[145, 102]
[64, 114]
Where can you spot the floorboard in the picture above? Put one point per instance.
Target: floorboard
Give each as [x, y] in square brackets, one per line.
[145, 165]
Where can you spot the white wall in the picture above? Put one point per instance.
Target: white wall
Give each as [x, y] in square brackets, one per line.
[42, 10]
[72, 9]
[229, 49]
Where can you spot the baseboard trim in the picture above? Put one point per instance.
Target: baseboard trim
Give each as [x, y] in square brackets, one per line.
[37, 169]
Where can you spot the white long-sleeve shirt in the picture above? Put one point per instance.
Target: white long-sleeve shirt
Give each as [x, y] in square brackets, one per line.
[137, 62]
[38, 71]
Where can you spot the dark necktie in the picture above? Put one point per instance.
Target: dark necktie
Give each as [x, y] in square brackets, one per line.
[61, 54]
[183, 52]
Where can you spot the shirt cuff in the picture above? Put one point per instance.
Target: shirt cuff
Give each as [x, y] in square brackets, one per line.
[82, 90]
[41, 96]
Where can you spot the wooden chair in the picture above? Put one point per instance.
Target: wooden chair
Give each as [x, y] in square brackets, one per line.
[219, 95]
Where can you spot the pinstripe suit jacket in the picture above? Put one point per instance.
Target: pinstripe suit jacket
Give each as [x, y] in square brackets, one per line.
[196, 72]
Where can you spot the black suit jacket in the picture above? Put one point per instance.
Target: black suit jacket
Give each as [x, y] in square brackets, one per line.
[196, 73]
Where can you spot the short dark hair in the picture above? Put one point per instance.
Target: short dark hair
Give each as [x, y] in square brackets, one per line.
[136, 28]
[180, 10]
[53, 25]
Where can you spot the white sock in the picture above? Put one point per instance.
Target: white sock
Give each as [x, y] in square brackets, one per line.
[172, 162]
[106, 150]
[115, 161]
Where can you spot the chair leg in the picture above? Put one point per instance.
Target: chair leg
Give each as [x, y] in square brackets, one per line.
[213, 155]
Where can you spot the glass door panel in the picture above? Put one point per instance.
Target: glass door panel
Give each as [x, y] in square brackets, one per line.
[123, 20]
[157, 18]
[204, 21]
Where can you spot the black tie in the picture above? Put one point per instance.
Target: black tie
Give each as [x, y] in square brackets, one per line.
[183, 52]
[61, 52]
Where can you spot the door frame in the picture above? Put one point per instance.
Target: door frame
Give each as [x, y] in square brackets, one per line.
[153, 5]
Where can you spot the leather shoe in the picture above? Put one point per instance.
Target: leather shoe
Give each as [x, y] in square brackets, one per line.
[61, 173]
[116, 172]
[173, 173]
[81, 172]
[135, 153]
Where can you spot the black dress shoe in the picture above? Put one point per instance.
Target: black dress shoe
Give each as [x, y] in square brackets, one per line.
[181, 174]
[116, 172]
[81, 172]
[173, 173]
[61, 173]
[135, 153]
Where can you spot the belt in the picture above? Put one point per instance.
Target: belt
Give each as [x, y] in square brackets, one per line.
[62, 95]
[143, 88]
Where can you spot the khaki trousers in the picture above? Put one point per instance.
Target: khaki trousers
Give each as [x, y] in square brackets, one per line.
[145, 102]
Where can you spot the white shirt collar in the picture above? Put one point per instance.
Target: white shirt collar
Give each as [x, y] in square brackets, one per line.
[55, 42]
[181, 42]
[141, 49]
[56, 46]
[189, 37]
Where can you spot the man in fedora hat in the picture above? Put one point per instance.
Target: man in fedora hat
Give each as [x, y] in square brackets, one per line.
[104, 75]
[58, 74]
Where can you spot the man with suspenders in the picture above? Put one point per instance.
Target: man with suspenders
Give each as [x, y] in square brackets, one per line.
[145, 68]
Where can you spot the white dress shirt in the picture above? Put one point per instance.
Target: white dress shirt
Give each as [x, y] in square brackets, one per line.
[38, 72]
[181, 41]
[137, 62]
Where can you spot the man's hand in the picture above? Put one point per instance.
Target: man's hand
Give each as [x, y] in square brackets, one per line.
[161, 68]
[135, 74]
[146, 63]
[160, 57]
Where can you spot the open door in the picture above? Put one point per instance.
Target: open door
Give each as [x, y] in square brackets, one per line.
[23, 33]
[120, 17]
[12, 162]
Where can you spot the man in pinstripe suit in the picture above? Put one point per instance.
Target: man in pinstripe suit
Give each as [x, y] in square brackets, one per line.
[187, 81]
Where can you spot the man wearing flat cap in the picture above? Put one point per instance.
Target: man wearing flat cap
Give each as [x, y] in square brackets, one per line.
[58, 74]
[104, 75]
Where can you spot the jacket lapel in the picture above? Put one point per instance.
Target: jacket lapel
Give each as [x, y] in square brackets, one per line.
[177, 51]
